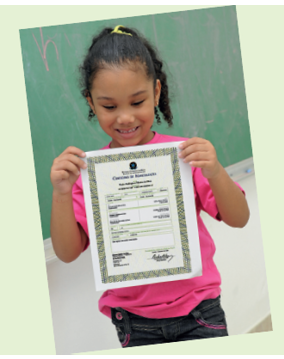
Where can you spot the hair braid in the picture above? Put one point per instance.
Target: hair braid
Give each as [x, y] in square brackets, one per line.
[87, 69]
[164, 102]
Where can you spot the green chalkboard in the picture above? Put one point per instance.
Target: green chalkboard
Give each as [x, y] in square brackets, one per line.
[203, 60]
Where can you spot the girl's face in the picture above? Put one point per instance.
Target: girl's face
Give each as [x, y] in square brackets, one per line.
[123, 101]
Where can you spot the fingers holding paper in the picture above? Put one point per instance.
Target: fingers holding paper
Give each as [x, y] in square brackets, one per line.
[66, 169]
[199, 152]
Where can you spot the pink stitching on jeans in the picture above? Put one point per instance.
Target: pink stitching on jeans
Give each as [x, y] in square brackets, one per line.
[212, 326]
[126, 341]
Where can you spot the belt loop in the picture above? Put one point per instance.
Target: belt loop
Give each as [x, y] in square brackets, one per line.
[196, 313]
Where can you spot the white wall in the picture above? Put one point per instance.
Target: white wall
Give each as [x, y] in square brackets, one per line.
[80, 327]
[240, 260]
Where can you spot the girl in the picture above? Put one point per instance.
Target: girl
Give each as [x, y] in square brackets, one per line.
[124, 83]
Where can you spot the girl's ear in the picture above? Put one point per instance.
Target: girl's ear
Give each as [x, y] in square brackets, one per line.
[157, 91]
[90, 101]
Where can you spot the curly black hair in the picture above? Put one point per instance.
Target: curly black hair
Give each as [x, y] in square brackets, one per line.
[116, 49]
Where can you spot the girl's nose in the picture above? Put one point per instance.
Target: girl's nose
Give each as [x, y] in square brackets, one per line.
[125, 118]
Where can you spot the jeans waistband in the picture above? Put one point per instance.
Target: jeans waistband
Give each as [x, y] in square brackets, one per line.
[124, 318]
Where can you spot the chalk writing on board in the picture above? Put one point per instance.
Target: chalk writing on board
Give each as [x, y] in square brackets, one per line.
[44, 47]
[67, 39]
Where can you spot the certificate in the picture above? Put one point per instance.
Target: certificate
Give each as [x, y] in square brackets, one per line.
[141, 216]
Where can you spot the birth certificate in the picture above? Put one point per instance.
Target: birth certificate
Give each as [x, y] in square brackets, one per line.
[141, 216]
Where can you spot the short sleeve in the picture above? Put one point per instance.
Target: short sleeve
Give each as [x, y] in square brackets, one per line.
[205, 199]
[79, 205]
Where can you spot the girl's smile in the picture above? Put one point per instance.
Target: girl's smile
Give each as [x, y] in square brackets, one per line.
[128, 133]
[123, 101]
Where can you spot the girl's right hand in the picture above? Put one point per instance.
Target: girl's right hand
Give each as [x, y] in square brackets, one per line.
[66, 170]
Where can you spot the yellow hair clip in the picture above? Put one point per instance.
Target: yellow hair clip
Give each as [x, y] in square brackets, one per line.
[119, 31]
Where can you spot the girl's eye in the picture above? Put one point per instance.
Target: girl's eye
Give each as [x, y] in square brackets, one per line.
[138, 103]
[134, 104]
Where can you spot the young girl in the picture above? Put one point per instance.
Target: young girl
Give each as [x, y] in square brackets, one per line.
[124, 83]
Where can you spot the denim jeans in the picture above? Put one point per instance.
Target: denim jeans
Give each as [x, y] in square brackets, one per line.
[207, 320]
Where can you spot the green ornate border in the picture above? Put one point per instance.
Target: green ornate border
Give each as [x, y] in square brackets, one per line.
[97, 218]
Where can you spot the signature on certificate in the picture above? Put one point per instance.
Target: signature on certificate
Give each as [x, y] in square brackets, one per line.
[162, 257]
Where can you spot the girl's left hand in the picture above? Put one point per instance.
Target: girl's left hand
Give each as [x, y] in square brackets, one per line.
[199, 152]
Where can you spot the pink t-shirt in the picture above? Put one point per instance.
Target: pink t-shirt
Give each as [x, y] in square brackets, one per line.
[167, 299]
